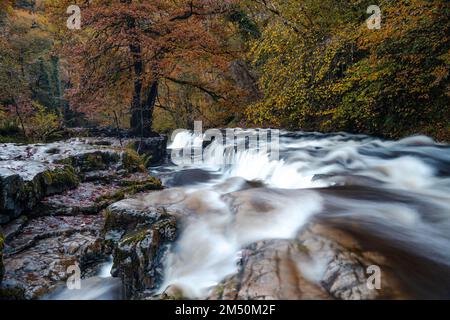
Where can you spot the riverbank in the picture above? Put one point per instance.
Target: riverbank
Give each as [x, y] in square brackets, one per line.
[52, 201]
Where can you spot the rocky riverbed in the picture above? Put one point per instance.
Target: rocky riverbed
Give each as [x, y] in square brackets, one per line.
[52, 201]
[338, 217]
[320, 262]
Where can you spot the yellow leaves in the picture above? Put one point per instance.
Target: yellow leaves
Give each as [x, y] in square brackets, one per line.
[347, 76]
[440, 73]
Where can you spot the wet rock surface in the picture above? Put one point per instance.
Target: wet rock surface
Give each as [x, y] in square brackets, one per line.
[37, 259]
[313, 266]
[28, 173]
[51, 203]
[139, 235]
[82, 200]
[23, 184]
[41, 248]
[269, 270]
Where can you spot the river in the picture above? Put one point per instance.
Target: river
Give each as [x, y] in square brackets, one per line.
[392, 196]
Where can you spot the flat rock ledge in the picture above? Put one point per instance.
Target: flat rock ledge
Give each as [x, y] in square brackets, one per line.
[28, 173]
[52, 201]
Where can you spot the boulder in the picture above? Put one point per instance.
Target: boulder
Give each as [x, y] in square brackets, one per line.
[23, 184]
[50, 199]
[269, 270]
[139, 255]
[138, 236]
[63, 228]
[321, 263]
[154, 148]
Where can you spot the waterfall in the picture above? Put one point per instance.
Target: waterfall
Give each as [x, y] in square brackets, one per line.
[395, 191]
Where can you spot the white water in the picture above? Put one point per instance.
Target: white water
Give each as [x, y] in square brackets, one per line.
[210, 244]
[399, 194]
[100, 287]
[402, 164]
[394, 196]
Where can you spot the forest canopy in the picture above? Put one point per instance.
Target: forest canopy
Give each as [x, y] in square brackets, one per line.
[157, 65]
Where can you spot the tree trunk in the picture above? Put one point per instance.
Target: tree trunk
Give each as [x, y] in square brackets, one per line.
[141, 111]
[136, 110]
[138, 70]
[148, 107]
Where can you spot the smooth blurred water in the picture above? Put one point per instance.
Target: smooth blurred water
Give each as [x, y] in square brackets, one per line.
[393, 196]
[100, 287]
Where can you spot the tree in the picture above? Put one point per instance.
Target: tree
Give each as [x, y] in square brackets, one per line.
[126, 48]
[322, 69]
[29, 77]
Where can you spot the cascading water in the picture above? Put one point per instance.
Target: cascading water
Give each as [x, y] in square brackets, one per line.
[392, 195]
[102, 286]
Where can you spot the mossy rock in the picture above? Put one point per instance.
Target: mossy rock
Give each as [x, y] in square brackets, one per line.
[67, 161]
[138, 256]
[172, 293]
[93, 161]
[111, 198]
[133, 161]
[149, 181]
[109, 223]
[90, 162]
[59, 180]
[131, 188]
[135, 237]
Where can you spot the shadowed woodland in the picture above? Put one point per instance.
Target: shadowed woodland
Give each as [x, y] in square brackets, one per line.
[157, 65]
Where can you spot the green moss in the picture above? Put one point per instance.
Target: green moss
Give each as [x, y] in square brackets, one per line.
[131, 188]
[94, 161]
[14, 139]
[220, 288]
[301, 248]
[144, 186]
[110, 224]
[116, 196]
[66, 161]
[137, 237]
[173, 294]
[172, 297]
[133, 161]
[109, 220]
[150, 180]
[65, 176]
[28, 191]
